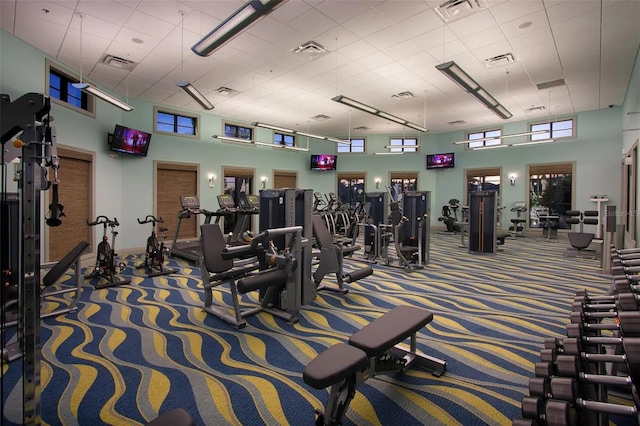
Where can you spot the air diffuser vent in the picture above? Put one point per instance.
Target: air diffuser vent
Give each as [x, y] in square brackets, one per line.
[361, 128]
[500, 60]
[117, 62]
[320, 117]
[456, 123]
[536, 108]
[225, 91]
[310, 50]
[550, 84]
[455, 9]
[403, 96]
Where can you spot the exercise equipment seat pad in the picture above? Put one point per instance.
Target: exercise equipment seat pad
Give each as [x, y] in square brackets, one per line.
[175, 417]
[333, 365]
[391, 328]
[580, 240]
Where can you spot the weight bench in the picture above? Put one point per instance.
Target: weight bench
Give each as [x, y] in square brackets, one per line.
[373, 350]
[13, 350]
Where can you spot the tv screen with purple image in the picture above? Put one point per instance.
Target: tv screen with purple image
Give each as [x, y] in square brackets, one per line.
[441, 161]
[324, 162]
[130, 141]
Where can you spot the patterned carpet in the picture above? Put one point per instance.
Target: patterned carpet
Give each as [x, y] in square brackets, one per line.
[134, 351]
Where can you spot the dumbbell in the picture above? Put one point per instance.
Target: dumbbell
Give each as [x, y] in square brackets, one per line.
[598, 311]
[579, 410]
[540, 411]
[627, 324]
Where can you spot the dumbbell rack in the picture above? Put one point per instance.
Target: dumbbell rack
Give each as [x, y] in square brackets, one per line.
[575, 374]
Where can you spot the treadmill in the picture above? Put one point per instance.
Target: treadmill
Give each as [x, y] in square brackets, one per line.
[189, 249]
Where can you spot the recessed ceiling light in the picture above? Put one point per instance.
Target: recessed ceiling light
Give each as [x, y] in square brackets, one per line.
[137, 40]
[525, 25]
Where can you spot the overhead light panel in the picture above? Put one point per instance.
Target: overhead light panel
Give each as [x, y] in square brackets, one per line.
[187, 87]
[295, 132]
[464, 80]
[246, 15]
[195, 94]
[102, 95]
[374, 111]
[92, 89]
[491, 138]
[276, 128]
[253, 142]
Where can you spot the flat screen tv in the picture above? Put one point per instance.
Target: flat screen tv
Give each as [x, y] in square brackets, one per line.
[130, 141]
[323, 162]
[441, 161]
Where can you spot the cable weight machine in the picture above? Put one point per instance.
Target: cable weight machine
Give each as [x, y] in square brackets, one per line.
[26, 122]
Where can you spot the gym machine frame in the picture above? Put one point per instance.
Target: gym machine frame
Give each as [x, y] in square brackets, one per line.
[29, 116]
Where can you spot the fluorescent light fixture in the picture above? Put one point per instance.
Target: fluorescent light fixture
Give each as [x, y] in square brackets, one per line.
[247, 14]
[534, 142]
[481, 148]
[402, 147]
[355, 104]
[197, 96]
[102, 95]
[336, 140]
[491, 138]
[459, 76]
[276, 128]
[252, 142]
[374, 111]
[232, 139]
[295, 132]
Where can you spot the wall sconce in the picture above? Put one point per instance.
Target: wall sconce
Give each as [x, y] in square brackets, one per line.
[512, 178]
[212, 179]
[377, 181]
[264, 181]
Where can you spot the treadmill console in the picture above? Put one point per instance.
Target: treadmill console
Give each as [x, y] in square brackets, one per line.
[226, 202]
[254, 202]
[190, 202]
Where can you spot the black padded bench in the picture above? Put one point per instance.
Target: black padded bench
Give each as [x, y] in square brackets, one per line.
[374, 349]
[175, 417]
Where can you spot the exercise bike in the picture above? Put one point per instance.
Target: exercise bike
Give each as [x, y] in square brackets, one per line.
[107, 266]
[156, 251]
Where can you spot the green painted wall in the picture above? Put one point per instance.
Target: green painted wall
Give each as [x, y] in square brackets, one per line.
[124, 185]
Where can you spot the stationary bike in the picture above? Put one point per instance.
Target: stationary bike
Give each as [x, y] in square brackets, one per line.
[155, 251]
[107, 266]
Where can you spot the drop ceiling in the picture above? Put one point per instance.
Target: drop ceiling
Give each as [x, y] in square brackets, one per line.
[374, 51]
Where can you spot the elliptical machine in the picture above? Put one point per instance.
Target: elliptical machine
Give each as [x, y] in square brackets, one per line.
[106, 266]
[450, 216]
[155, 251]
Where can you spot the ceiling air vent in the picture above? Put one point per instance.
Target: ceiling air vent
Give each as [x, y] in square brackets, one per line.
[117, 62]
[320, 117]
[310, 50]
[500, 60]
[361, 128]
[550, 84]
[403, 96]
[535, 108]
[225, 91]
[456, 123]
[455, 9]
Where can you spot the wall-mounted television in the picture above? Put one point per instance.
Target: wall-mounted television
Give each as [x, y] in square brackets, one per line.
[323, 162]
[130, 141]
[441, 161]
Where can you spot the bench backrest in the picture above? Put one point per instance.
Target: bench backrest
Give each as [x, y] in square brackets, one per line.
[213, 244]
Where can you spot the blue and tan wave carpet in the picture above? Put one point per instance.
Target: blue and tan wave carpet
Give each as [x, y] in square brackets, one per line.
[132, 352]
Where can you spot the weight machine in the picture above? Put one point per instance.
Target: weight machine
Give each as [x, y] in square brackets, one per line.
[27, 118]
